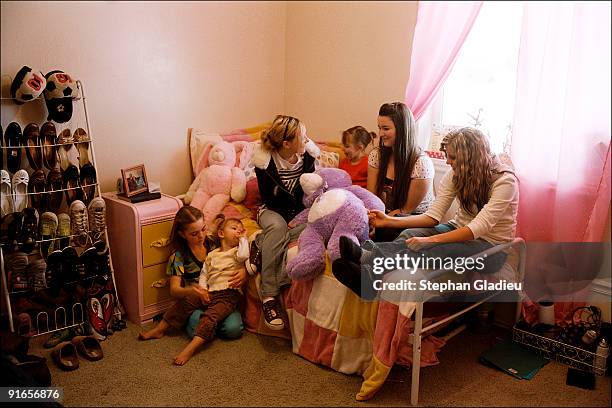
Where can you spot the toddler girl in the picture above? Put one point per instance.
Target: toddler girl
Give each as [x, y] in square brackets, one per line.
[357, 142]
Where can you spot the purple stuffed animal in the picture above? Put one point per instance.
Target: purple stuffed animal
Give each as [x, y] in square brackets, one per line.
[334, 207]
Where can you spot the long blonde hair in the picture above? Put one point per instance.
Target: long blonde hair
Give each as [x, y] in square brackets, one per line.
[474, 167]
[283, 128]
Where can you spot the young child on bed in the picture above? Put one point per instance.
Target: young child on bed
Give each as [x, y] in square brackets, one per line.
[357, 143]
[214, 292]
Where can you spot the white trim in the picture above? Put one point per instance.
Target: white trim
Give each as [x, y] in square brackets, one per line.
[602, 286]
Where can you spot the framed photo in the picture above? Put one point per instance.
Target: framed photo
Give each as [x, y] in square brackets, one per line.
[134, 180]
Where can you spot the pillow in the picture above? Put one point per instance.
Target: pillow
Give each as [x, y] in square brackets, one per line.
[198, 139]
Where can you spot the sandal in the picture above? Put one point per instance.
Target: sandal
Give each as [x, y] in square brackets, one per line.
[88, 347]
[58, 337]
[65, 356]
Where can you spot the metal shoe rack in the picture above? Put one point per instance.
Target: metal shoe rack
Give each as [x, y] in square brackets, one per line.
[63, 317]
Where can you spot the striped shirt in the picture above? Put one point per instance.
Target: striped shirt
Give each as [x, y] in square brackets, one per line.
[289, 173]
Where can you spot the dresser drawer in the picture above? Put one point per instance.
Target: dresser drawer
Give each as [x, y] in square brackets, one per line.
[156, 246]
[156, 284]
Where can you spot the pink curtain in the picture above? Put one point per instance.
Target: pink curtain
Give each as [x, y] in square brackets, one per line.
[440, 31]
[561, 134]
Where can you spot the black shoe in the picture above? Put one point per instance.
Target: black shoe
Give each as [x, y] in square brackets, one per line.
[53, 274]
[29, 229]
[11, 230]
[70, 270]
[12, 142]
[254, 264]
[272, 317]
[85, 263]
[350, 275]
[349, 250]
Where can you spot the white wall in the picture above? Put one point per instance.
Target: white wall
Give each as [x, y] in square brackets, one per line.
[150, 71]
[344, 59]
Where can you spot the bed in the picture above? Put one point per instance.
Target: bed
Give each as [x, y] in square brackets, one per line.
[330, 325]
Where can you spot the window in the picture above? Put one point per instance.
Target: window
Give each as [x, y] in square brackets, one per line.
[480, 89]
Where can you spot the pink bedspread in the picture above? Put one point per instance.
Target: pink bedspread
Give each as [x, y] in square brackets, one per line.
[330, 325]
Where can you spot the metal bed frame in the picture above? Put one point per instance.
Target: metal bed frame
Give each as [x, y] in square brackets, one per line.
[420, 331]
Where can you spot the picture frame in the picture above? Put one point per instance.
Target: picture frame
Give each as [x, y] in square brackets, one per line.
[134, 180]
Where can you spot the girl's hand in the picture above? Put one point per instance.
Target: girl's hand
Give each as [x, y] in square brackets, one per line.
[377, 218]
[394, 212]
[416, 243]
[290, 225]
[202, 293]
[239, 278]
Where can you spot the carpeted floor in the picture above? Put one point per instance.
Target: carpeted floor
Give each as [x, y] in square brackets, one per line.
[262, 371]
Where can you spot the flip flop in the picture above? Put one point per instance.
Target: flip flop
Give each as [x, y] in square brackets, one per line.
[88, 347]
[65, 356]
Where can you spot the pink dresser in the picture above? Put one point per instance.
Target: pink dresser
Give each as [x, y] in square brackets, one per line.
[139, 240]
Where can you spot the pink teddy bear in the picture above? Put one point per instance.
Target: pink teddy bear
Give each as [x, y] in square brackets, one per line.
[218, 178]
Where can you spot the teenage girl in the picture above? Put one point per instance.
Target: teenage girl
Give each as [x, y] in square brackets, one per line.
[285, 153]
[398, 171]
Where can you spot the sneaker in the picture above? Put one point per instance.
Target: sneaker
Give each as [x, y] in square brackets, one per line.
[63, 230]
[78, 222]
[95, 315]
[20, 190]
[29, 229]
[97, 218]
[254, 264]
[48, 229]
[6, 192]
[272, 318]
[35, 272]
[16, 264]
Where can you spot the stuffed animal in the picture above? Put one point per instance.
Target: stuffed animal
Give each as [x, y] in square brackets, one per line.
[218, 178]
[334, 207]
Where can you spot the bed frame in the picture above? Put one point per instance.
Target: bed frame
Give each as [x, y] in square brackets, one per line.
[420, 331]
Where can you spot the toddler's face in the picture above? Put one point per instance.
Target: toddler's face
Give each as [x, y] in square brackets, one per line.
[232, 231]
[353, 151]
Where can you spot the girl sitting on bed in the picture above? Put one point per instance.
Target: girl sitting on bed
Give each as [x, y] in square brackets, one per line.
[284, 155]
[487, 191]
[398, 171]
[355, 143]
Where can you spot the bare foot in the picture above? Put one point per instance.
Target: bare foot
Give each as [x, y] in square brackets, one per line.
[188, 351]
[155, 333]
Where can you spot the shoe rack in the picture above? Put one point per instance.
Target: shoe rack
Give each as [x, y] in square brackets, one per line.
[70, 314]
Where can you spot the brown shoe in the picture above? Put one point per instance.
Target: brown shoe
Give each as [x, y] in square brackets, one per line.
[48, 139]
[65, 356]
[36, 189]
[55, 184]
[88, 347]
[31, 136]
[81, 140]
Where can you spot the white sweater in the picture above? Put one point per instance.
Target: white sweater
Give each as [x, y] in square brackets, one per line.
[495, 222]
[220, 266]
